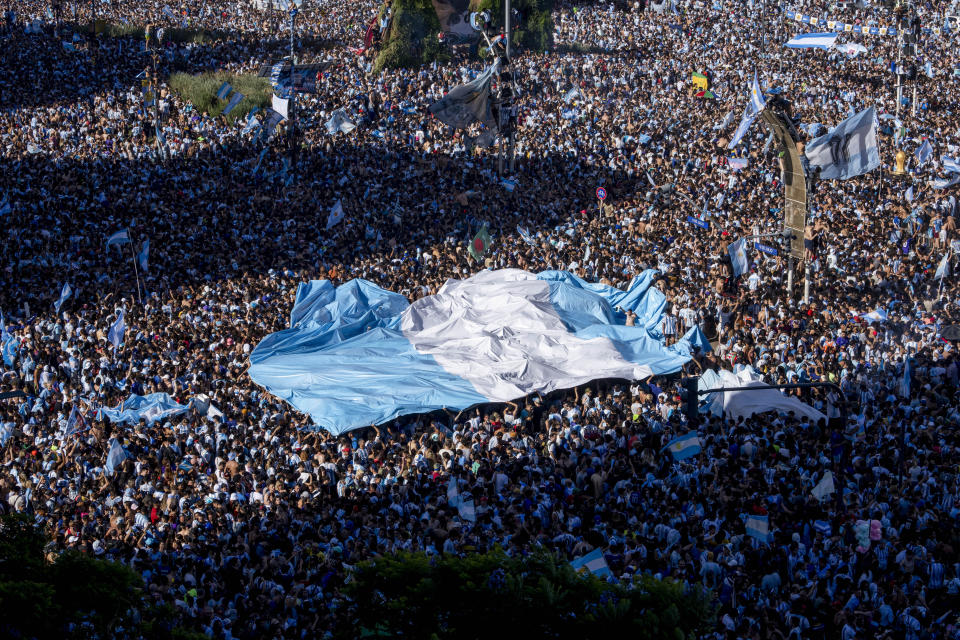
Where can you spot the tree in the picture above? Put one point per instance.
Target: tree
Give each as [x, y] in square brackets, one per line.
[494, 595]
[412, 38]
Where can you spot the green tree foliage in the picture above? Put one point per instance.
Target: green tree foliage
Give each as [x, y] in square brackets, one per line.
[201, 91]
[412, 39]
[40, 598]
[492, 595]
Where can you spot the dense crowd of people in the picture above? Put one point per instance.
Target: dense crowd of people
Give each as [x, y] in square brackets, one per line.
[248, 518]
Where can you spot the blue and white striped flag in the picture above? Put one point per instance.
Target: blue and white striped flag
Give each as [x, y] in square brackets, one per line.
[943, 270]
[909, 194]
[143, 258]
[8, 344]
[950, 165]
[758, 527]
[118, 238]
[594, 562]
[65, 293]
[686, 446]
[117, 331]
[75, 424]
[234, 101]
[115, 456]
[749, 116]
[943, 183]
[570, 95]
[812, 41]
[756, 95]
[224, 91]
[738, 257]
[924, 152]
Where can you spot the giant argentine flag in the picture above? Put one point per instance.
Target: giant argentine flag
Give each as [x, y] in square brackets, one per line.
[358, 355]
[849, 150]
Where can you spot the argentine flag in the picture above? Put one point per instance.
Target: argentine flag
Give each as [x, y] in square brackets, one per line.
[115, 456]
[758, 527]
[812, 41]
[950, 165]
[65, 293]
[877, 315]
[757, 103]
[336, 215]
[684, 447]
[224, 91]
[143, 258]
[943, 270]
[117, 331]
[594, 562]
[907, 375]
[118, 238]
[358, 355]
[924, 152]
[738, 257]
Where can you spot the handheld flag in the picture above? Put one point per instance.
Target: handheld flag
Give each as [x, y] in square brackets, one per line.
[8, 344]
[526, 236]
[75, 424]
[756, 95]
[950, 165]
[5, 208]
[758, 527]
[224, 91]
[849, 150]
[594, 562]
[234, 101]
[118, 238]
[737, 164]
[115, 456]
[907, 375]
[924, 152]
[65, 293]
[144, 256]
[339, 121]
[812, 41]
[117, 331]
[686, 446]
[943, 270]
[480, 244]
[336, 215]
[281, 105]
[738, 257]
[749, 117]
[825, 487]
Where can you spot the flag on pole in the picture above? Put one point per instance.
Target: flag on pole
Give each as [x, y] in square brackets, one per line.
[686, 446]
[950, 165]
[749, 117]
[281, 105]
[118, 238]
[143, 258]
[224, 91]
[480, 244]
[825, 487]
[65, 293]
[336, 215]
[75, 424]
[909, 194]
[526, 236]
[115, 456]
[594, 562]
[849, 150]
[117, 331]
[924, 152]
[738, 257]
[907, 375]
[943, 270]
[758, 527]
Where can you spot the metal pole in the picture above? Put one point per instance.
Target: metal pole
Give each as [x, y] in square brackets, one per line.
[136, 272]
[506, 22]
[899, 70]
[293, 101]
[913, 104]
[806, 283]
[789, 276]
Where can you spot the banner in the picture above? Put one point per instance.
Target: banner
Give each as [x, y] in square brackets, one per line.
[700, 81]
[849, 150]
[454, 16]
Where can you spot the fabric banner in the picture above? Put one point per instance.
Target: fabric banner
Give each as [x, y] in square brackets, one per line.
[849, 150]
[357, 355]
[737, 404]
[152, 407]
[468, 103]
[454, 16]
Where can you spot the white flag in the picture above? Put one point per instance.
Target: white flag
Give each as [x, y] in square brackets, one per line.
[824, 487]
[336, 215]
[281, 106]
[65, 293]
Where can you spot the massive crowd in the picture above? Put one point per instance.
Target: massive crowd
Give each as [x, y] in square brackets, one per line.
[248, 522]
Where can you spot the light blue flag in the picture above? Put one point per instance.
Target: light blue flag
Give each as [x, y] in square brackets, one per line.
[151, 407]
[65, 293]
[924, 152]
[234, 101]
[943, 183]
[117, 331]
[726, 122]
[697, 339]
[758, 527]
[757, 103]
[224, 91]
[75, 424]
[115, 456]
[118, 238]
[907, 375]
[8, 344]
[909, 194]
[526, 236]
[143, 258]
[737, 251]
[749, 116]
[570, 95]
[358, 355]
[950, 165]
[849, 150]
[812, 41]
[593, 562]
[685, 446]
[6, 432]
[943, 269]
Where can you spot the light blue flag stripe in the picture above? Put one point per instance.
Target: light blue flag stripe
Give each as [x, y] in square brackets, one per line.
[358, 355]
[151, 407]
[594, 562]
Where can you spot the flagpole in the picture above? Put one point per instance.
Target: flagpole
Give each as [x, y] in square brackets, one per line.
[136, 272]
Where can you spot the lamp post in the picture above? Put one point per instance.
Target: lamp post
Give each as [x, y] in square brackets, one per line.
[293, 97]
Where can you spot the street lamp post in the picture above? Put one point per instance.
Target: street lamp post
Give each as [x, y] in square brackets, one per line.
[293, 98]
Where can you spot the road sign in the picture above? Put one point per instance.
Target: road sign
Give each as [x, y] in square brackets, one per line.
[765, 248]
[601, 193]
[703, 224]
